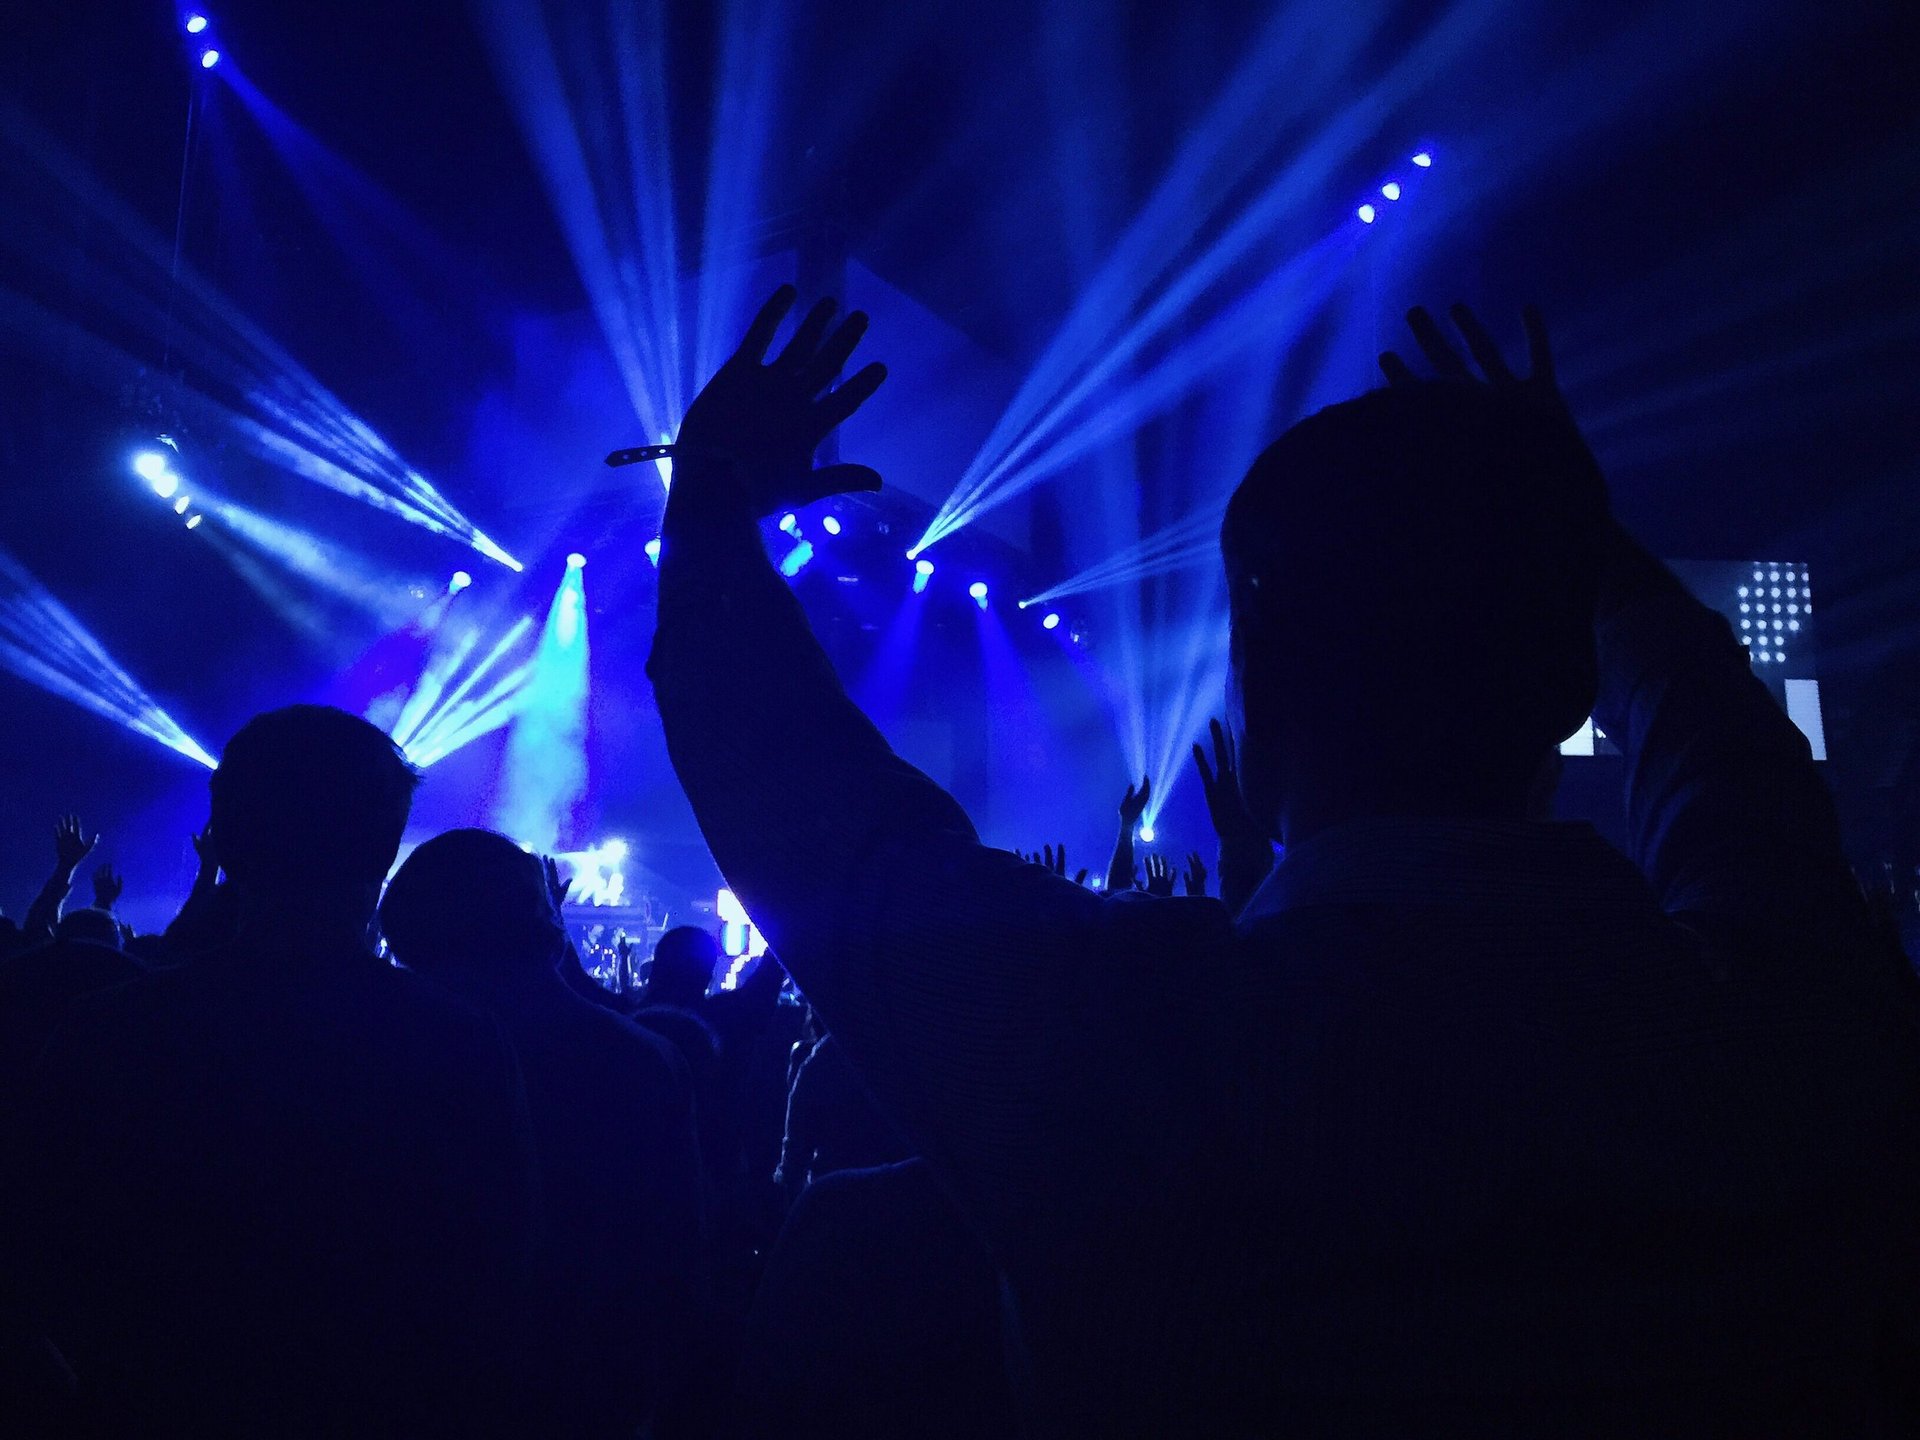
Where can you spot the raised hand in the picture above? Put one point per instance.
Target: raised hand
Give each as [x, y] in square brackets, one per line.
[108, 883]
[1133, 804]
[1220, 782]
[203, 845]
[70, 847]
[752, 430]
[1196, 874]
[1159, 876]
[556, 887]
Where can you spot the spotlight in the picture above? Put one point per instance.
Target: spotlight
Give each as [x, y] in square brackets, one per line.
[614, 849]
[193, 521]
[1423, 160]
[830, 525]
[920, 578]
[1052, 622]
[196, 23]
[1146, 833]
[576, 561]
[151, 466]
[209, 58]
[790, 523]
[653, 550]
[923, 567]
[180, 505]
[461, 579]
[978, 590]
[1366, 213]
[797, 559]
[1391, 189]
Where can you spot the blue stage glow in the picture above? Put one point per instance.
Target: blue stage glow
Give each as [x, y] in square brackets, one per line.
[1423, 160]
[797, 559]
[45, 644]
[920, 579]
[653, 549]
[196, 23]
[830, 525]
[1391, 189]
[576, 561]
[460, 581]
[1366, 214]
[544, 770]
[1052, 622]
[209, 58]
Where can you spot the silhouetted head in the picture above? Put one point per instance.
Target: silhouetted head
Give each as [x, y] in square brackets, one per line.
[1412, 577]
[683, 964]
[471, 902]
[95, 926]
[309, 804]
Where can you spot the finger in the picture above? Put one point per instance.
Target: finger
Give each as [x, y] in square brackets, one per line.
[1080, 876]
[799, 351]
[1206, 771]
[838, 350]
[1396, 370]
[1480, 345]
[753, 348]
[1443, 357]
[834, 408]
[1539, 352]
[1222, 745]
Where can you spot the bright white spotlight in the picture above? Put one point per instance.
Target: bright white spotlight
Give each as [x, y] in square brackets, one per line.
[790, 523]
[1391, 189]
[576, 561]
[196, 23]
[923, 567]
[461, 579]
[193, 521]
[1423, 160]
[1052, 622]
[1146, 833]
[180, 505]
[830, 525]
[978, 590]
[1366, 213]
[209, 58]
[653, 550]
[165, 485]
[797, 559]
[614, 849]
[481, 542]
[150, 465]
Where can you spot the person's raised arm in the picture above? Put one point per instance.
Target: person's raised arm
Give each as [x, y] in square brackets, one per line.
[1246, 853]
[70, 847]
[1133, 804]
[1728, 817]
[956, 976]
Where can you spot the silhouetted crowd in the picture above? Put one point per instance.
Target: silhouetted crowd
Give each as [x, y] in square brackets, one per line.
[1413, 1111]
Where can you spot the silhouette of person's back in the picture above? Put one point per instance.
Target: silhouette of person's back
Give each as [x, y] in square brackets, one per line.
[285, 1188]
[621, 1258]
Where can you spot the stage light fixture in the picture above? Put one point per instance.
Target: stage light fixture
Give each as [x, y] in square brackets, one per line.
[1052, 622]
[830, 525]
[797, 559]
[196, 23]
[180, 505]
[978, 590]
[209, 58]
[1391, 189]
[923, 567]
[790, 523]
[150, 465]
[193, 521]
[653, 550]
[576, 561]
[1423, 160]
[460, 581]
[1146, 833]
[1366, 214]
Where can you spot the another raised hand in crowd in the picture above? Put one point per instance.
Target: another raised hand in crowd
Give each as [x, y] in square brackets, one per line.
[1246, 851]
[1054, 858]
[71, 845]
[1121, 871]
[108, 884]
[1196, 874]
[1159, 877]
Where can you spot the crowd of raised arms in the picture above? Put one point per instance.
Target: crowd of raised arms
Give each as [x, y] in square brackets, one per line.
[1436, 1116]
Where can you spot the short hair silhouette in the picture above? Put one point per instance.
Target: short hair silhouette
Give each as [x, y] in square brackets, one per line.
[472, 900]
[310, 794]
[1412, 577]
[91, 924]
[684, 960]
